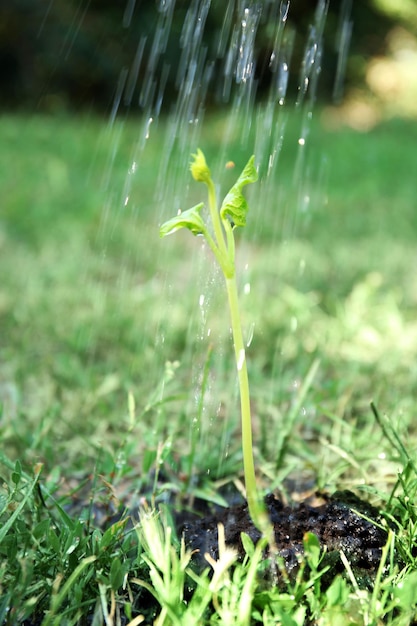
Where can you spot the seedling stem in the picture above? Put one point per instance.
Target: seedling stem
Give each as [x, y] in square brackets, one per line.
[232, 213]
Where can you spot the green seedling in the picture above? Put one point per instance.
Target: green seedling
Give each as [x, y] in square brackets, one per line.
[220, 238]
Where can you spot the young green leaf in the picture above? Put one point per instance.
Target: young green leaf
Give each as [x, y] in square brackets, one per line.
[190, 219]
[199, 169]
[234, 205]
[312, 549]
[116, 574]
[247, 544]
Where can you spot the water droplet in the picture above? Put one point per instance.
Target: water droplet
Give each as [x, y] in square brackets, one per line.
[249, 26]
[250, 334]
[241, 360]
[284, 8]
[148, 126]
[201, 300]
[118, 95]
[127, 16]
[132, 78]
[343, 37]
[301, 141]
[246, 289]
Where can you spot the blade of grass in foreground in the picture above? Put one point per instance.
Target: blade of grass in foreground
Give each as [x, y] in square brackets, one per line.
[294, 412]
[59, 597]
[9, 523]
[392, 436]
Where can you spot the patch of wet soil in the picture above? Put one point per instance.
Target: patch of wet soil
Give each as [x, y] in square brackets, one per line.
[343, 522]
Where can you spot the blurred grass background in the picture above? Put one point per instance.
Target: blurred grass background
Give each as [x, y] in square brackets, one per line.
[94, 307]
[93, 304]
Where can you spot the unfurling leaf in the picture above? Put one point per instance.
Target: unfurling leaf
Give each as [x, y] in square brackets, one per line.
[190, 219]
[199, 168]
[234, 205]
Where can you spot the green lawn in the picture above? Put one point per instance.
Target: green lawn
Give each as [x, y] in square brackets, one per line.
[115, 356]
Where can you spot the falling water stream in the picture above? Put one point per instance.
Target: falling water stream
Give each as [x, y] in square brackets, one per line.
[235, 91]
[217, 83]
[221, 69]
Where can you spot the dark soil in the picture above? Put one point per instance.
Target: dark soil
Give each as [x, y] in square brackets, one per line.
[340, 522]
[343, 522]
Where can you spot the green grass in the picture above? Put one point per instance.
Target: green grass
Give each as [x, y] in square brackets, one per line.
[108, 371]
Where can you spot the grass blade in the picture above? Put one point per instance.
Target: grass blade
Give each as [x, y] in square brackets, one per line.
[58, 599]
[9, 523]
